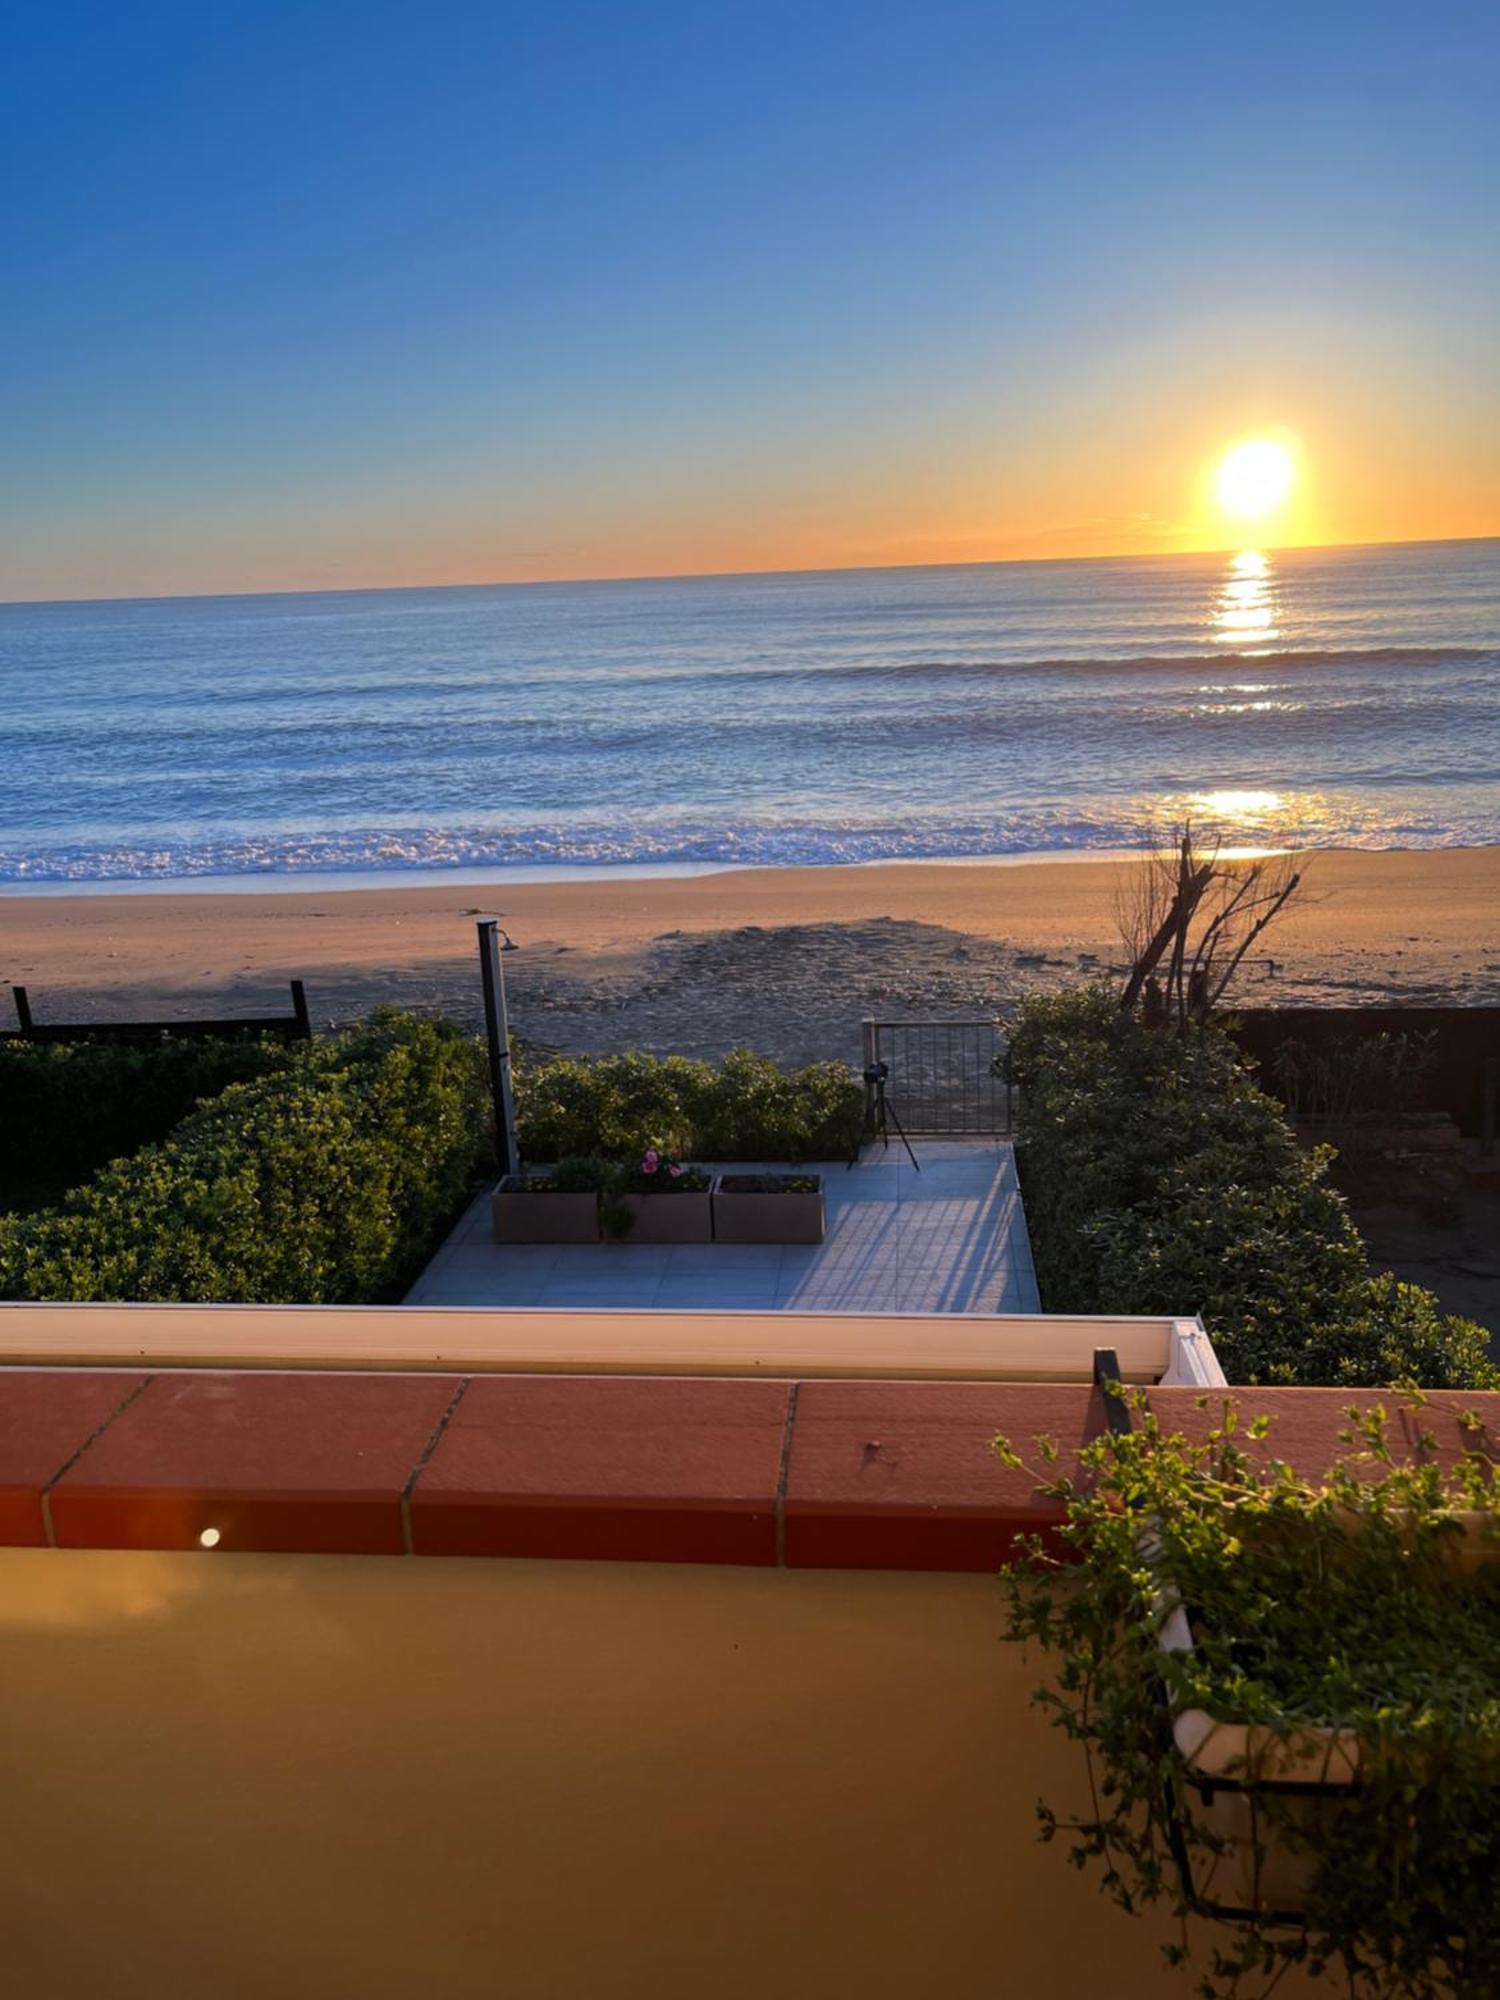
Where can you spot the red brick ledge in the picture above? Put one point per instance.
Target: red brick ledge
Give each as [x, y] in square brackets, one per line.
[808, 1475]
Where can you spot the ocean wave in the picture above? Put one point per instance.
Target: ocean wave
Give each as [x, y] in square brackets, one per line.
[1317, 821]
[1306, 659]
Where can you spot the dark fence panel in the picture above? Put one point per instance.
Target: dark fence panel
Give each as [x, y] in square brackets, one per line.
[1464, 1038]
[293, 1027]
[945, 1076]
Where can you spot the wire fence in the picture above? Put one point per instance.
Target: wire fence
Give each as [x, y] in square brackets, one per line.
[946, 1078]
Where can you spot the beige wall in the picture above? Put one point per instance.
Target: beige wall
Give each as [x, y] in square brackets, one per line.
[348, 1778]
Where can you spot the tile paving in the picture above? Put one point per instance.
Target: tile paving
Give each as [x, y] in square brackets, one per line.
[950, 1238]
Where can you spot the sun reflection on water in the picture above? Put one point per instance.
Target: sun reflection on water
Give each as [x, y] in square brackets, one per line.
[1246, 609]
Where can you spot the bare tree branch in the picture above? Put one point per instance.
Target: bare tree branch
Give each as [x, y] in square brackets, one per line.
[1201, 915]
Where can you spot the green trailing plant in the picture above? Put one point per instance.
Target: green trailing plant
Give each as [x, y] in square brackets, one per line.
[328, 1181]
[1159, 1178]
[747, 1109]
[1366, 1603]
[66, 1108]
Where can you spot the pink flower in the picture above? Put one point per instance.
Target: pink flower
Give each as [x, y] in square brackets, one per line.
[651, 1161]
[676, 1173]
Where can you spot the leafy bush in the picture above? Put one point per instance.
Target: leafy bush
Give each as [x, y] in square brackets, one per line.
[1393, 1332]
[1349, 1603]
[748, 1109]
[68, 1107]
[1159, 1178]
[326, 1181]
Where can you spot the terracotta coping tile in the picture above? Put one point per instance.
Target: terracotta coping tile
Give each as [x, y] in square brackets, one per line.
[822, 1474]
[901, 1475]
[46, 1418]
[1307, 1425]
[618, 1468]
[315, 1464]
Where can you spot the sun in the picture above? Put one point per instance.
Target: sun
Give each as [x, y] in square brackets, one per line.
[1255, 478]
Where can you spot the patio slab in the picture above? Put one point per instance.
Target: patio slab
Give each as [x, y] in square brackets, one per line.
[950, 1238]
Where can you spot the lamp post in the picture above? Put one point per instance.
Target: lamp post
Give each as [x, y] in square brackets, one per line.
[497, 1035]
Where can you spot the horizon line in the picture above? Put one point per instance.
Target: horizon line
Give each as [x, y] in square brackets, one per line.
[722, 575]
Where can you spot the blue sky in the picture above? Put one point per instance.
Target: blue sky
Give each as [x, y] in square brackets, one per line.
[322, 293]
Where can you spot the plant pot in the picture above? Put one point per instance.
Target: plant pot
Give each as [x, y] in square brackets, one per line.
[761, 1214]
[534, 1215]
[669, 1218]
[1232, 1768]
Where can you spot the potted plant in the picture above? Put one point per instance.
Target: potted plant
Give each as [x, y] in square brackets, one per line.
[1288, 1696]
[768, 1208]
[556, 1204]
[659, 1199]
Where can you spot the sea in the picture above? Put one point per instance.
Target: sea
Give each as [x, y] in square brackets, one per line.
[1347, 696]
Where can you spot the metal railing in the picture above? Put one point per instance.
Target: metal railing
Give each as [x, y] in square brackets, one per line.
[947, 1078]
[293, 1027]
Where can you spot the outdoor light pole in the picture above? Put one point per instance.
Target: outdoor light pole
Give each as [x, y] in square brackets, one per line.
[497, 1034]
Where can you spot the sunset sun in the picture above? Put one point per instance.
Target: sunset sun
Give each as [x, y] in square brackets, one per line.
[1255, 478]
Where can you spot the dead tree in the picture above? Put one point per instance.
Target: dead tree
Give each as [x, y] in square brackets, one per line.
[1188, 918]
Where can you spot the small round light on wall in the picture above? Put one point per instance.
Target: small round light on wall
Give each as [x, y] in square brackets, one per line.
[209, 1539]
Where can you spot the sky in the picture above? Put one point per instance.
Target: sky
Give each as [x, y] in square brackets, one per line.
[326, 295]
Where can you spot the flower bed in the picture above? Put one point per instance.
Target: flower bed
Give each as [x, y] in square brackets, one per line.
[660, 1200]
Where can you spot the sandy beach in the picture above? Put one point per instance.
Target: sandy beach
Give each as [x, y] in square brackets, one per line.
[786, 960]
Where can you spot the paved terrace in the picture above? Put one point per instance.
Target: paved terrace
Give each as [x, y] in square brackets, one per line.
[948, 1239]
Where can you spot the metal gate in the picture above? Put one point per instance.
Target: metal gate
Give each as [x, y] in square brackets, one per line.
[945, 1077]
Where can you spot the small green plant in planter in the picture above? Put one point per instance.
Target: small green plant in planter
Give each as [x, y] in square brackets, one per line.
[1342, 1636]
[657, 1199]
[555, 1204]
[768, 1208]
[579, 1176]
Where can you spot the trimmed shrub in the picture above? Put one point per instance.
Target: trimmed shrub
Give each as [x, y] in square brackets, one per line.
[68, 1107]
[1394, 1332]
[1158, 1178]
[748, 1109]
[326, 1182]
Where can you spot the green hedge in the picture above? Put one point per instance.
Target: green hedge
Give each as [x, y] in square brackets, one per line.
[68, 1107]
[1158, 1178]
[326, 1182]
[747, 1109]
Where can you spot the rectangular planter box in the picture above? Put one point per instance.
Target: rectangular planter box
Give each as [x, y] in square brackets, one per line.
[522, 1217]
[757, 1216]
[670, 1218]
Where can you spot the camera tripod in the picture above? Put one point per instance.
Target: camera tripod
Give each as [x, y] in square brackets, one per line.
[884, 1116]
